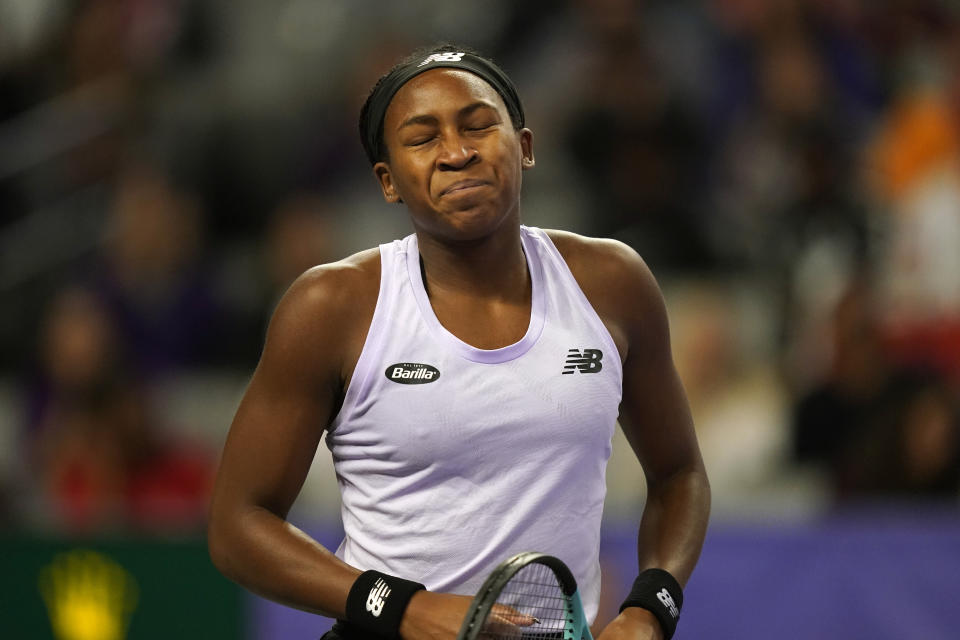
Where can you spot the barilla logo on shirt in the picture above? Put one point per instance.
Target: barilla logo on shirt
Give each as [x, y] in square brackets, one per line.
[411, 373]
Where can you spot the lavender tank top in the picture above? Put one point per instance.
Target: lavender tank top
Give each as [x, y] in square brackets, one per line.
[450, 458]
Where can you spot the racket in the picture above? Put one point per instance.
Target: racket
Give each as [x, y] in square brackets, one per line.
[529, 596]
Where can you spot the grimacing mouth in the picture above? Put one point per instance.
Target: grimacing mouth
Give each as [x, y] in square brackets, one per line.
[466, 183]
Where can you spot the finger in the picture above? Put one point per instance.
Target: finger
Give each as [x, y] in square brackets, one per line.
[509, 615]
[497, 627]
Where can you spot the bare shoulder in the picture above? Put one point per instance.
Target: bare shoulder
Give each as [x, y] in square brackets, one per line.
[341, 288]
[621, 289]
[327, 310]
[603, 266]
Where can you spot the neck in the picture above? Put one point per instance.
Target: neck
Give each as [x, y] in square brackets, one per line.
[494, 267]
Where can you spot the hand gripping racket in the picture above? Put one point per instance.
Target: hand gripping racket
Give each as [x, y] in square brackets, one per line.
[530, 596]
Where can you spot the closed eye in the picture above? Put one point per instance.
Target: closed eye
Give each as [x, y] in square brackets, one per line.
[419, 142]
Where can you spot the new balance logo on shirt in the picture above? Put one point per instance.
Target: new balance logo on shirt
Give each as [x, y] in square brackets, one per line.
[378, 596]
[587, 361]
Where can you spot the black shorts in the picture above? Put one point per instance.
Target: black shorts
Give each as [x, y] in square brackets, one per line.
[342, 631]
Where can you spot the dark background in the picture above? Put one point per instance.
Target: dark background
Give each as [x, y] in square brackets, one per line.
[790, 170]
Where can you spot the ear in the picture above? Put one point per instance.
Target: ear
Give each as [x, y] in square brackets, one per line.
[382, 171]
[527, 161]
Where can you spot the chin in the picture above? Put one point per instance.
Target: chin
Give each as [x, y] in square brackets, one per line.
[472, 224]
[466, 220]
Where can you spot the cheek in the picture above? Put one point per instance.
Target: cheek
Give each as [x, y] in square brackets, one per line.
[408, 179]
[510, 168]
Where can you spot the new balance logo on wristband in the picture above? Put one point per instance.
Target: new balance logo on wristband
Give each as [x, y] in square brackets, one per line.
[659, 593]
[664, 596]
[376, 603]
[377, 598]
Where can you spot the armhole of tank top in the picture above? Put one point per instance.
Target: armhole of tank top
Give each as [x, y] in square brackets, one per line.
[592, 315]
[360, 380]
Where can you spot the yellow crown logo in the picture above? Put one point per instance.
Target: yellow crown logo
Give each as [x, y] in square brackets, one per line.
[88, 596]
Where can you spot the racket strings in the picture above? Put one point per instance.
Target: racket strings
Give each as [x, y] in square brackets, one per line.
[537, 606]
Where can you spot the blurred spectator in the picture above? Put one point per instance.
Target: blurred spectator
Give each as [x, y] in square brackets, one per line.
[638, 149]
[722, 356]
[913, 448]
[783, 182]
[917, 187]
[302, 233]
[153, 279]
[77, 97]
[841, 408]
[878, 428]
[98, 457]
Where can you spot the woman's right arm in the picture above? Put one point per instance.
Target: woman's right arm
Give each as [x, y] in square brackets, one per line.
[311, 347]
[291, 399]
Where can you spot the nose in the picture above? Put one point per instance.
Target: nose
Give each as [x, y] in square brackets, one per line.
[456, 153]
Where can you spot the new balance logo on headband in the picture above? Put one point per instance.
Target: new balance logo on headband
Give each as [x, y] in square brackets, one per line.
[450, 56]
[586, 362]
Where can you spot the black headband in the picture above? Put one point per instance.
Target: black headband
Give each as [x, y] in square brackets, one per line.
[371, 124]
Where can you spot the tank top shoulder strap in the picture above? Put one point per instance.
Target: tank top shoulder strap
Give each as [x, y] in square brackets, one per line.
[557, 269]
[392, 272]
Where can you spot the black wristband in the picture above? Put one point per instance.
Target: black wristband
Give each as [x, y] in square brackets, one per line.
[376, 602]
[659, 593]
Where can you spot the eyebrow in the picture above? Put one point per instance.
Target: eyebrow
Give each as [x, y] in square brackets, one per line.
[464, 112]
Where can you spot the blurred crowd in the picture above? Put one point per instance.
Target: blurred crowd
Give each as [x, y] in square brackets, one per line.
[790, 169]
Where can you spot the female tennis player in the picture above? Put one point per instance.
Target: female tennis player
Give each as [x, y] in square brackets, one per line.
[468, 379]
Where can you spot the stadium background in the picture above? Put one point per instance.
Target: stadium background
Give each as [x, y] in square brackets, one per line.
[790, 169]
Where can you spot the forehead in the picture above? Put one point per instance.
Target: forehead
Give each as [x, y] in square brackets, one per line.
[438, 90]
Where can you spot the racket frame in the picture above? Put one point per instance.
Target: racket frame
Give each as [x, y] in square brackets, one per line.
[575, 627]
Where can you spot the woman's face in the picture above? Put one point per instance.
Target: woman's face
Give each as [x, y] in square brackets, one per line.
[454, 157]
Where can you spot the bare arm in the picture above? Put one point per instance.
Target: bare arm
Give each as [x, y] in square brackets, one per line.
[291, 399]
[311, 348]
[657, 423]
[656, 420]
[655, 415]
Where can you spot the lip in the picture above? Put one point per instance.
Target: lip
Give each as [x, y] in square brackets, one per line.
[462, 185]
